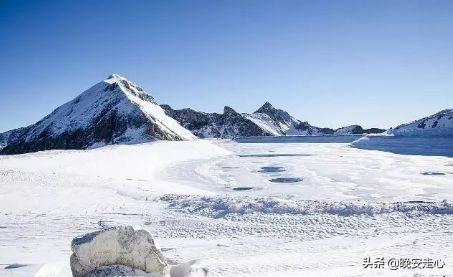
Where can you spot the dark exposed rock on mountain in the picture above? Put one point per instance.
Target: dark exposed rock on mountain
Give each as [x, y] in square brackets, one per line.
[357, 130]
[373, 131]
[112, 111]
[266, 121]
[230, 124]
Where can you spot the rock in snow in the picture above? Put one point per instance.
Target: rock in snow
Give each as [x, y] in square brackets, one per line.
[112, 111]
[439, 124]
[117, 251]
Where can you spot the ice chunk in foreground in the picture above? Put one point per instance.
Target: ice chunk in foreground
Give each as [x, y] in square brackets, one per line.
[123, 248]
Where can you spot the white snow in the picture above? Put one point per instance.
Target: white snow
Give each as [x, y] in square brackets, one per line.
[264, 122]
[350, 204]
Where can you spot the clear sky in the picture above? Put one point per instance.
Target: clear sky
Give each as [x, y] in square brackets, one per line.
[332, 63]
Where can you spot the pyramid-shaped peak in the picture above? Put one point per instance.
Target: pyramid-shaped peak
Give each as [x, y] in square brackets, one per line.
[266, 107]
[110, 112]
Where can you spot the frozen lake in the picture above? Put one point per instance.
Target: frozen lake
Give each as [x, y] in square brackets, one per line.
[300, 139]
[425, 146]
[243, 209]
[433, 146]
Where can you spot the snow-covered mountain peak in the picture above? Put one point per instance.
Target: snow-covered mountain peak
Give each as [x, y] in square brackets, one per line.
[116, 77]
[112, 111]
[118, 83]
[279, 122]
[277, 115]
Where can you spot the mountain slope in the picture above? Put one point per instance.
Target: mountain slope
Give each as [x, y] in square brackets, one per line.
[230, 124]
[279, 122]
[439, 124]
[112, 111]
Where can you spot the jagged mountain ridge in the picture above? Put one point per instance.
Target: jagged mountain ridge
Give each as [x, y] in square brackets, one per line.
[438, 124]
[230, 124]
[112, 111]
[266, 121]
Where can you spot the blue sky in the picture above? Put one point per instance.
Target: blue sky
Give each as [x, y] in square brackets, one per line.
[332, 63]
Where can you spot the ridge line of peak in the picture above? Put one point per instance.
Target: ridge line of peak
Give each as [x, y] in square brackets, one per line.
[115, 76]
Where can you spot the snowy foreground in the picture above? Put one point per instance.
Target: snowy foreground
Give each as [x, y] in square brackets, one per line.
[252, 209]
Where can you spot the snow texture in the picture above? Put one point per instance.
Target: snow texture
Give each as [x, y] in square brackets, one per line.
[351, 204]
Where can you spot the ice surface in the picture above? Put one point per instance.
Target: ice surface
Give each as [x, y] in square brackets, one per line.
[426, 146]
[300, 139]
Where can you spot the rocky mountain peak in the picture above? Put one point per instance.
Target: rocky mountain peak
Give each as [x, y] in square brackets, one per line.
[265, 108]
[229, 110]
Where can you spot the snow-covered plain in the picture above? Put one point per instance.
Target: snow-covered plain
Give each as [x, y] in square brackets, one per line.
[242, 209]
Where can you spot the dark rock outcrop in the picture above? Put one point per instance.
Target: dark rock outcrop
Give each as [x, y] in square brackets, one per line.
[230, 124]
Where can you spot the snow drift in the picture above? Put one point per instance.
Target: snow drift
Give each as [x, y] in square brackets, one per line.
[215, 206]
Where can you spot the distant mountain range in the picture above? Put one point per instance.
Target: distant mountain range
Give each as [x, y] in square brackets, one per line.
[266, 121]
[116, 110]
